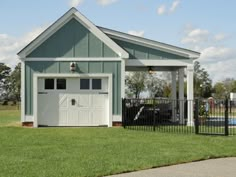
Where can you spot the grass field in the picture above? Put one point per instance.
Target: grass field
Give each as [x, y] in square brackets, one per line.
[73, 152]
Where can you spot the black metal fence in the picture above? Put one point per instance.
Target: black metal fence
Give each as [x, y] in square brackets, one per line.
[214, 117]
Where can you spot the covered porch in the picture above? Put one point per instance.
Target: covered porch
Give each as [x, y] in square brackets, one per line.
[146, 53]
[177, 69]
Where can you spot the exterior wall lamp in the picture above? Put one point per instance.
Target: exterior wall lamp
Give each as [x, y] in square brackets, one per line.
[150, 70]
[72, 66]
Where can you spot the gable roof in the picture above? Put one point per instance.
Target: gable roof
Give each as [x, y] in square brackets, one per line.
[72, 13]
[150, 43]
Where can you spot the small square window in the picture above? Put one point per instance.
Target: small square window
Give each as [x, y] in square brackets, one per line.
[96, 84]
[49, 84]
[61, 84]
[84, 84]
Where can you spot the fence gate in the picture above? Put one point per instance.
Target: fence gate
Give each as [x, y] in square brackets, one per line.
[211, 118]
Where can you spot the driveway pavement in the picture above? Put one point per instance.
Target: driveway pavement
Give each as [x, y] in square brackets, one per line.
[224, 167]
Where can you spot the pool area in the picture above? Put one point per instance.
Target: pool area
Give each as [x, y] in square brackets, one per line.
[217, 121]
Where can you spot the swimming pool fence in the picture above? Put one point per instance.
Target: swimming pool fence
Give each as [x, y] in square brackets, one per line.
[207, 117]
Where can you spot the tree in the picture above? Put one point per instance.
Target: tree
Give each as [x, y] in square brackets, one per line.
[14, 84]
[4, 75]
[219, 90]
[233, 89]
[155, 86]
[135, 81]
[167, 90]
[202, 82]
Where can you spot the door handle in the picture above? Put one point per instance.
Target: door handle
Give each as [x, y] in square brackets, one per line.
[73, 102]
[103, 93]
[41, 93]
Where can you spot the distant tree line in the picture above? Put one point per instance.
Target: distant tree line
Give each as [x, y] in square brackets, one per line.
[10, 83]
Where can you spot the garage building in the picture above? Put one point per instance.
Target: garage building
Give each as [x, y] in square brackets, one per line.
[73, 74]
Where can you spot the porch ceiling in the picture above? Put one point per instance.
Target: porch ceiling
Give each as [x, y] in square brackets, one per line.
[156, 64]
[154, 68]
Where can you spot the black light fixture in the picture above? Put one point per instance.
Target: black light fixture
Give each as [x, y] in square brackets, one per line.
[150, 70]
[72, 66]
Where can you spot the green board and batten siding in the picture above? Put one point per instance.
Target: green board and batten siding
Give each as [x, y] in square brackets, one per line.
[113, 67]
[137, 51]
[72, 40]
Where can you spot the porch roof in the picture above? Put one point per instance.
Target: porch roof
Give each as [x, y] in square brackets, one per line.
[147, 48]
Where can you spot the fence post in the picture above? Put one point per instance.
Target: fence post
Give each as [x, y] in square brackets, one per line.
[196, 114]
[226, 117]
[154, 119]
[123, 113]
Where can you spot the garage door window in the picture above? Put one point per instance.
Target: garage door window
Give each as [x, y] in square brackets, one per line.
[49, 84]
[84, 84]
[61, 84]
[96, 84]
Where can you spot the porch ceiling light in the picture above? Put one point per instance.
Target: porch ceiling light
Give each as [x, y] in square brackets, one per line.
[150, 70]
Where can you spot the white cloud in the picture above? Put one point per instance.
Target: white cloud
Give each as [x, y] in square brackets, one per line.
[195, 36]
[221, 70]
[106, 2]
[75, 3]
[220, 37]
[218, 59]
[174, 5]
[161, 10]
[136, 33]
[214, 54]
[10, 45]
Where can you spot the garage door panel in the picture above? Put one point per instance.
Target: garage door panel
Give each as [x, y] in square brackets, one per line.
[48, 109]
[97, 117]
[64, 108]
[73, 117]
[84, 117]
[97, 101]
[84, 100]
[63, 101]
[63, 117]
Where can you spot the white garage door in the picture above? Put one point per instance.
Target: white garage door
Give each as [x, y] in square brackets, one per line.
[73, 102]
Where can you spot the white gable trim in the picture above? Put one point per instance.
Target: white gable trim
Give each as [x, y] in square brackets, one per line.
[150, 43]
[72, 13]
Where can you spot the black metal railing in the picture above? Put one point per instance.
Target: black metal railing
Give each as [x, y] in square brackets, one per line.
[180, 116]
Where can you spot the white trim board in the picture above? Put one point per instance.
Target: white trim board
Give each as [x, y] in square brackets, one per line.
[71, 59]
[35, 91]
[116, 118]
[150, 43]
[22, 91]
[73, 13]
[164, 63]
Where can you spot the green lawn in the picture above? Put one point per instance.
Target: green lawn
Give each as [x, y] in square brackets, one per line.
[73, 152]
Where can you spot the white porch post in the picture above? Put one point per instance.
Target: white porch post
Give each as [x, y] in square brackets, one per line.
[190, 94]
[181, 95]
[173, 95]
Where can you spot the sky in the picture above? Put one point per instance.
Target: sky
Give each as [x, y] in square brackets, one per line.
[206, 26]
